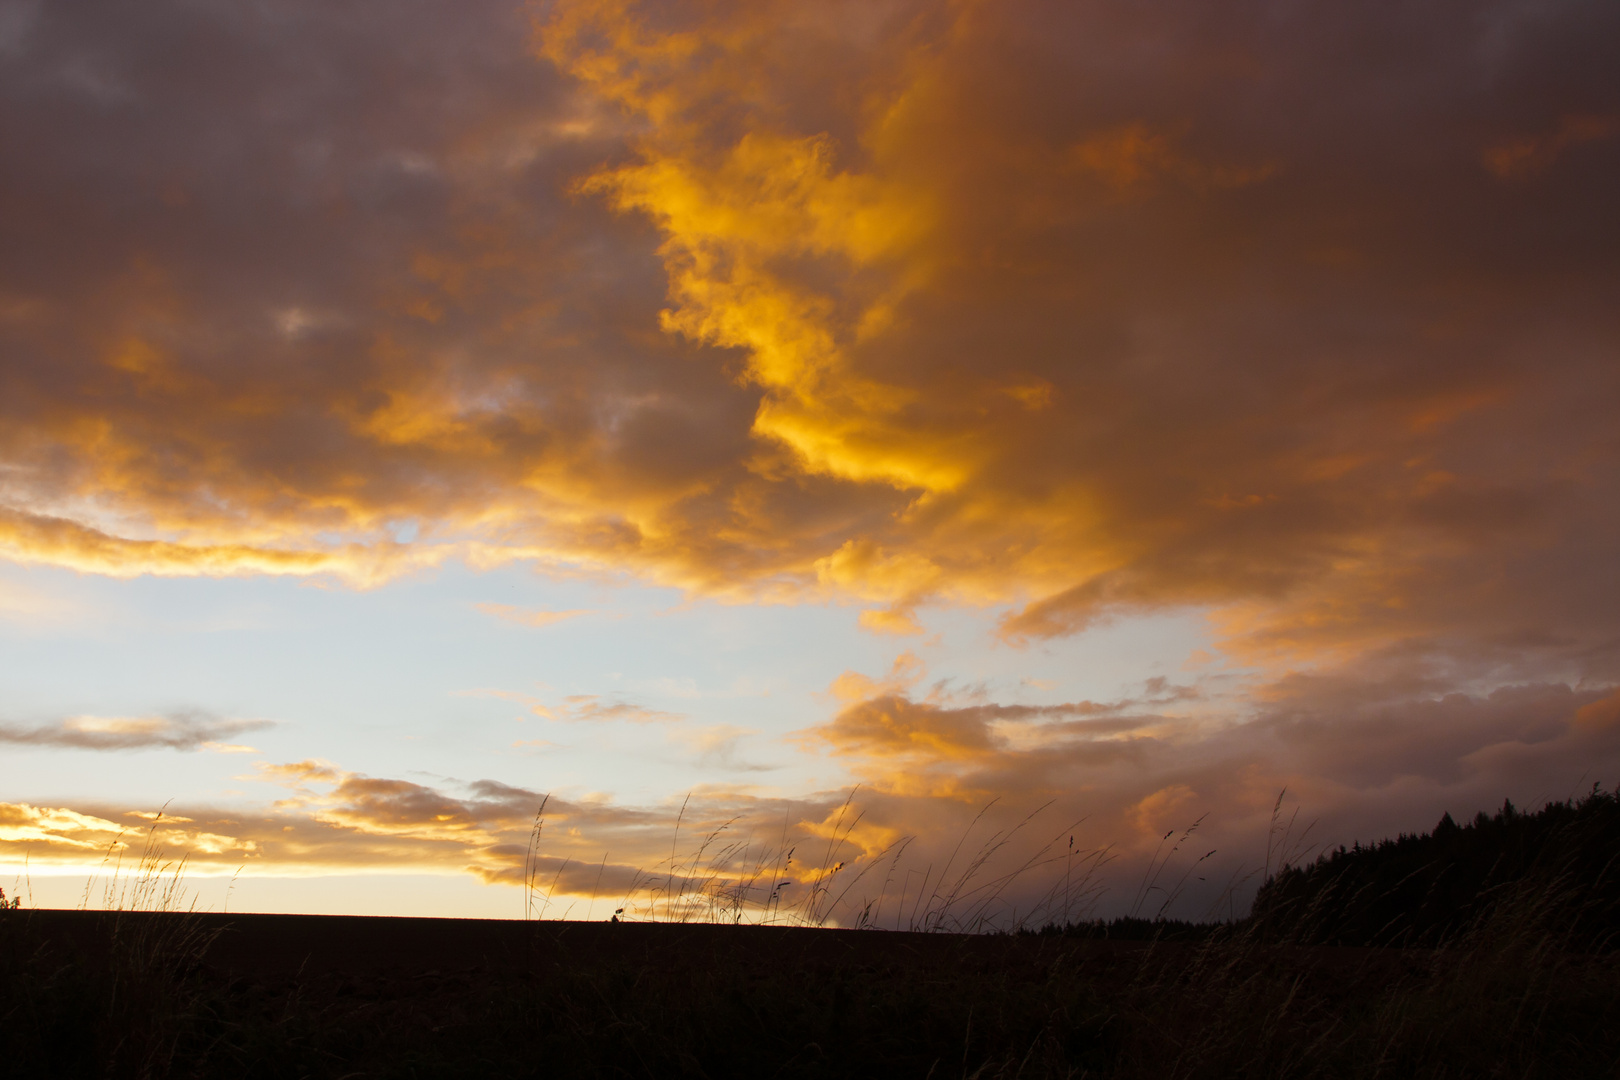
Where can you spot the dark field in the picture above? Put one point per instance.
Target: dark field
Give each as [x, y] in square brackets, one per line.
[155, 994]
[1481, 950]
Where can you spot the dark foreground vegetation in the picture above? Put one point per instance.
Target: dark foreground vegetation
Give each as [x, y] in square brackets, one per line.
[1481, 950]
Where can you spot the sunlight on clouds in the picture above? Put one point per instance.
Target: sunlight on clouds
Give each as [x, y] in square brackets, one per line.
[529, 616]
[34, 538]
[1166, 809]
[1016, 319]
[1599, 716]
[57, 838]
[1522, 158]
[775, 199]
[898, 622]
[1135, 155]
[21, 823]
[906, 671]
[968, 331]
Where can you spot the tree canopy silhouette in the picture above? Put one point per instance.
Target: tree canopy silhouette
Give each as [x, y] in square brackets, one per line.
[1557, 868]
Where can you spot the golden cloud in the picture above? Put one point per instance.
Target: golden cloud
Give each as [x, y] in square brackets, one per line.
[907, 305]
[529, 616]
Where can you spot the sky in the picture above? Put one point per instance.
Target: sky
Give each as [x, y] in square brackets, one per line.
[898, 462]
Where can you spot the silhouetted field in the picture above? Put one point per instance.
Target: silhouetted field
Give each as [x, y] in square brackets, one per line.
[1483, 950]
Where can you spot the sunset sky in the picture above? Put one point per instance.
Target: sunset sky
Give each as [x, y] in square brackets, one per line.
[1106, 412]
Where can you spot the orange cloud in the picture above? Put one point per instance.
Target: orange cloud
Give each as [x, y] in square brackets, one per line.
[897, 743]
[896, 726]
[1601, 715]
[905, 672]
[896, 621]
[1133, 155]
[529, 616]
[36, 538]
[1066, 314]
[1519, 159]
[891, 323]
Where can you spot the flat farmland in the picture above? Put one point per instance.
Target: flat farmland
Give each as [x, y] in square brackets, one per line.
[170, 994]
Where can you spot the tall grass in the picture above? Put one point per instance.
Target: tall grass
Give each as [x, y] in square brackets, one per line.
[722, 876]
[122, 998]
[1524, 987]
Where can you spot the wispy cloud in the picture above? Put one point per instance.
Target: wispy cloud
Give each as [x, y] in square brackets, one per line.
[530, 616]
[579, 708]
[174, 731]
[717, 746]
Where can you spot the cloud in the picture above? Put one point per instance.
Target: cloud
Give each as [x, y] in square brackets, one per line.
[897, 741]
[716, 746]
[336, 821]
[1006, 321]
[1519, 159]
[529, 616]
[906, 671]
[896, 622]
[22, 823]
[1301, 319]
[1132, 156]
[176, 731]
[1358, 759]
[36, 538]
[1361, 754]
[580, 708]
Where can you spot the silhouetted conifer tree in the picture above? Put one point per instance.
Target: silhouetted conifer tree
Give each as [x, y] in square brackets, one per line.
[1560, 865]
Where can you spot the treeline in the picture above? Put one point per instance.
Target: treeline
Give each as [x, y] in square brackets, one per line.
[1553, 874]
